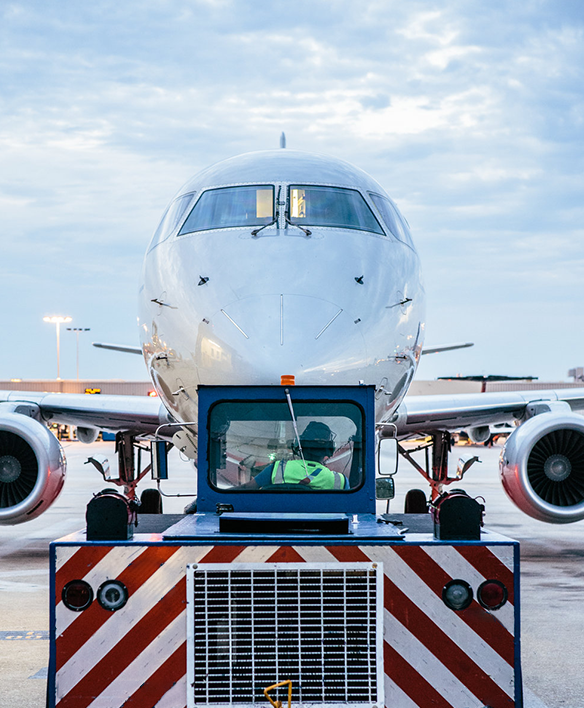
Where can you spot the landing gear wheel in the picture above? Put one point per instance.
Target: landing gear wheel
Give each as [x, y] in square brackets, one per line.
[150, 502]
[416, 502]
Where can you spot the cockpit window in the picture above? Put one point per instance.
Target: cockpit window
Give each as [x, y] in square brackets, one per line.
[231, 206]
[330, 206]
[171, 219]
[253, 446]
[392, 218]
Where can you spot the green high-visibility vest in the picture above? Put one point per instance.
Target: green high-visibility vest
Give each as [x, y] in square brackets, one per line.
[318, 477]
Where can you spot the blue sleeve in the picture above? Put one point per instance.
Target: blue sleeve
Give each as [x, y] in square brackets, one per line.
[265, 476]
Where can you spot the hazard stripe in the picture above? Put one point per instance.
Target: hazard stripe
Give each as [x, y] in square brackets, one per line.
[157, 684]
[63, 554]
[506, 554]
[410, 681]
[447, 620]
[110, 566]
[144, 666]
[488, 565]
[78, 565]
[222, 554]
[285, 554]
[128, 648]
[477, 619]
[436, 641]
[176, 696]
[456, 565]
[256, 554]
[133, 577]
[394, 696]
[348, 554]
[110, 633]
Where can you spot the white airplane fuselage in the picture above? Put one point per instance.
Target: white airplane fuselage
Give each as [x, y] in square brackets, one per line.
[335, 307]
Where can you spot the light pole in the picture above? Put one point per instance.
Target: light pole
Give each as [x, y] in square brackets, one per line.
[58, 320]
[77, 330]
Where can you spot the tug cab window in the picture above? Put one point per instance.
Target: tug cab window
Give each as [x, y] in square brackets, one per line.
[331, 206]
[229, 207]
[254, 446]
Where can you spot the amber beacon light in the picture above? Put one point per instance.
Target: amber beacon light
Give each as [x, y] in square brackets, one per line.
[287, 380]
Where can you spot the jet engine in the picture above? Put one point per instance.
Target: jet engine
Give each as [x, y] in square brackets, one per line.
[32, 468]
[542, 467]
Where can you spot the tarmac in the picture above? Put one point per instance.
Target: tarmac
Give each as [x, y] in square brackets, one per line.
[552, 578]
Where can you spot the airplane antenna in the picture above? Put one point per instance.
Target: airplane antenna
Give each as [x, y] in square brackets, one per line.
[283, 140]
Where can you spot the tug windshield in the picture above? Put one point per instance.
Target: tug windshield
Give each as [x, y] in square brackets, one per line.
[253, 446]
[230, 207]
[331, 206]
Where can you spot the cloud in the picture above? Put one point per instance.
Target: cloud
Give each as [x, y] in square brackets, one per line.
[471, 116]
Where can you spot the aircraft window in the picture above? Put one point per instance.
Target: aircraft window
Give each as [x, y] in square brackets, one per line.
[171, 218]
[231, 206]
[253, 446]
[393, 219]
[331, 206]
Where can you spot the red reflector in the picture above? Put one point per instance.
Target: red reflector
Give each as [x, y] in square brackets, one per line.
[492, 594]
[77, 595]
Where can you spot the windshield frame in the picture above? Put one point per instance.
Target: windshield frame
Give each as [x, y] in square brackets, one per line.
[250, 224]
[338, 188]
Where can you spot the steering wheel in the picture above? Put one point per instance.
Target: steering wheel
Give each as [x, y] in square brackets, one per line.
[285, 485]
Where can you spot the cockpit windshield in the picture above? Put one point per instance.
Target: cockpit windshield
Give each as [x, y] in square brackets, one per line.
[331, 206]
[229, 207]
[253, 446]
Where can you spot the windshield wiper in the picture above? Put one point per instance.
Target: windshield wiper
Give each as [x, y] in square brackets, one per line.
[255, 232]
[296, 430]
[306, 231]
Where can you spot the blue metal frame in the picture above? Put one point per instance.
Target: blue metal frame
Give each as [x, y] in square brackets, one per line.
[52, 671]
[358, 501]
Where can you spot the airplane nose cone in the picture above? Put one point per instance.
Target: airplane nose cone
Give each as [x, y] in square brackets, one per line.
[263, 337]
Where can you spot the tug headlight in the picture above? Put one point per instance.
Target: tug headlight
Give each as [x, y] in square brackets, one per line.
[492, 594]
[112, 595]
[457, 594]
[77, 595]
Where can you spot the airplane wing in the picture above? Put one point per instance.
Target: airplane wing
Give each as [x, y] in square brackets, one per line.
[127, 348]
[440, 348]
[422, 414]
[140, 415]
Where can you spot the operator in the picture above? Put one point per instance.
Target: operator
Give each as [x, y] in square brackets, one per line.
[317, 442]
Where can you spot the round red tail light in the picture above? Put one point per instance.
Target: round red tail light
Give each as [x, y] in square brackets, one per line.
[492, 594]
[77, 595]
[457, 594]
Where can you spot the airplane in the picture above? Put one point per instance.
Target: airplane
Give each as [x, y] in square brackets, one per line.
[282, 265]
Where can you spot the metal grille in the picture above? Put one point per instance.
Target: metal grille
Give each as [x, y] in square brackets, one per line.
[253, 625]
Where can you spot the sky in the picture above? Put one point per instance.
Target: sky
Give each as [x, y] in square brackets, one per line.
[469, 113]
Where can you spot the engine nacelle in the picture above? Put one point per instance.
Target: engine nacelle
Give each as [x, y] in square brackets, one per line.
[542, 467]
[32, 468]
[86, 435]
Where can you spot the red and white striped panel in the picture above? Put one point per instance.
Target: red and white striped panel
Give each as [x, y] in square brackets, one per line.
[433, 656]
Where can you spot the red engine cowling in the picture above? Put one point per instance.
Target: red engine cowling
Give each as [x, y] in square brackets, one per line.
[32, 468]
[542, 467]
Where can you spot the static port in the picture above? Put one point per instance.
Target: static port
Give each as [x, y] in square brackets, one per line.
[492, 594]
[457, 594]
[112, 595]
[77, 595]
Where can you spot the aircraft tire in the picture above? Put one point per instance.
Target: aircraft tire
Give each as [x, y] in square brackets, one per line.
[415, 502]
[150, 502]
